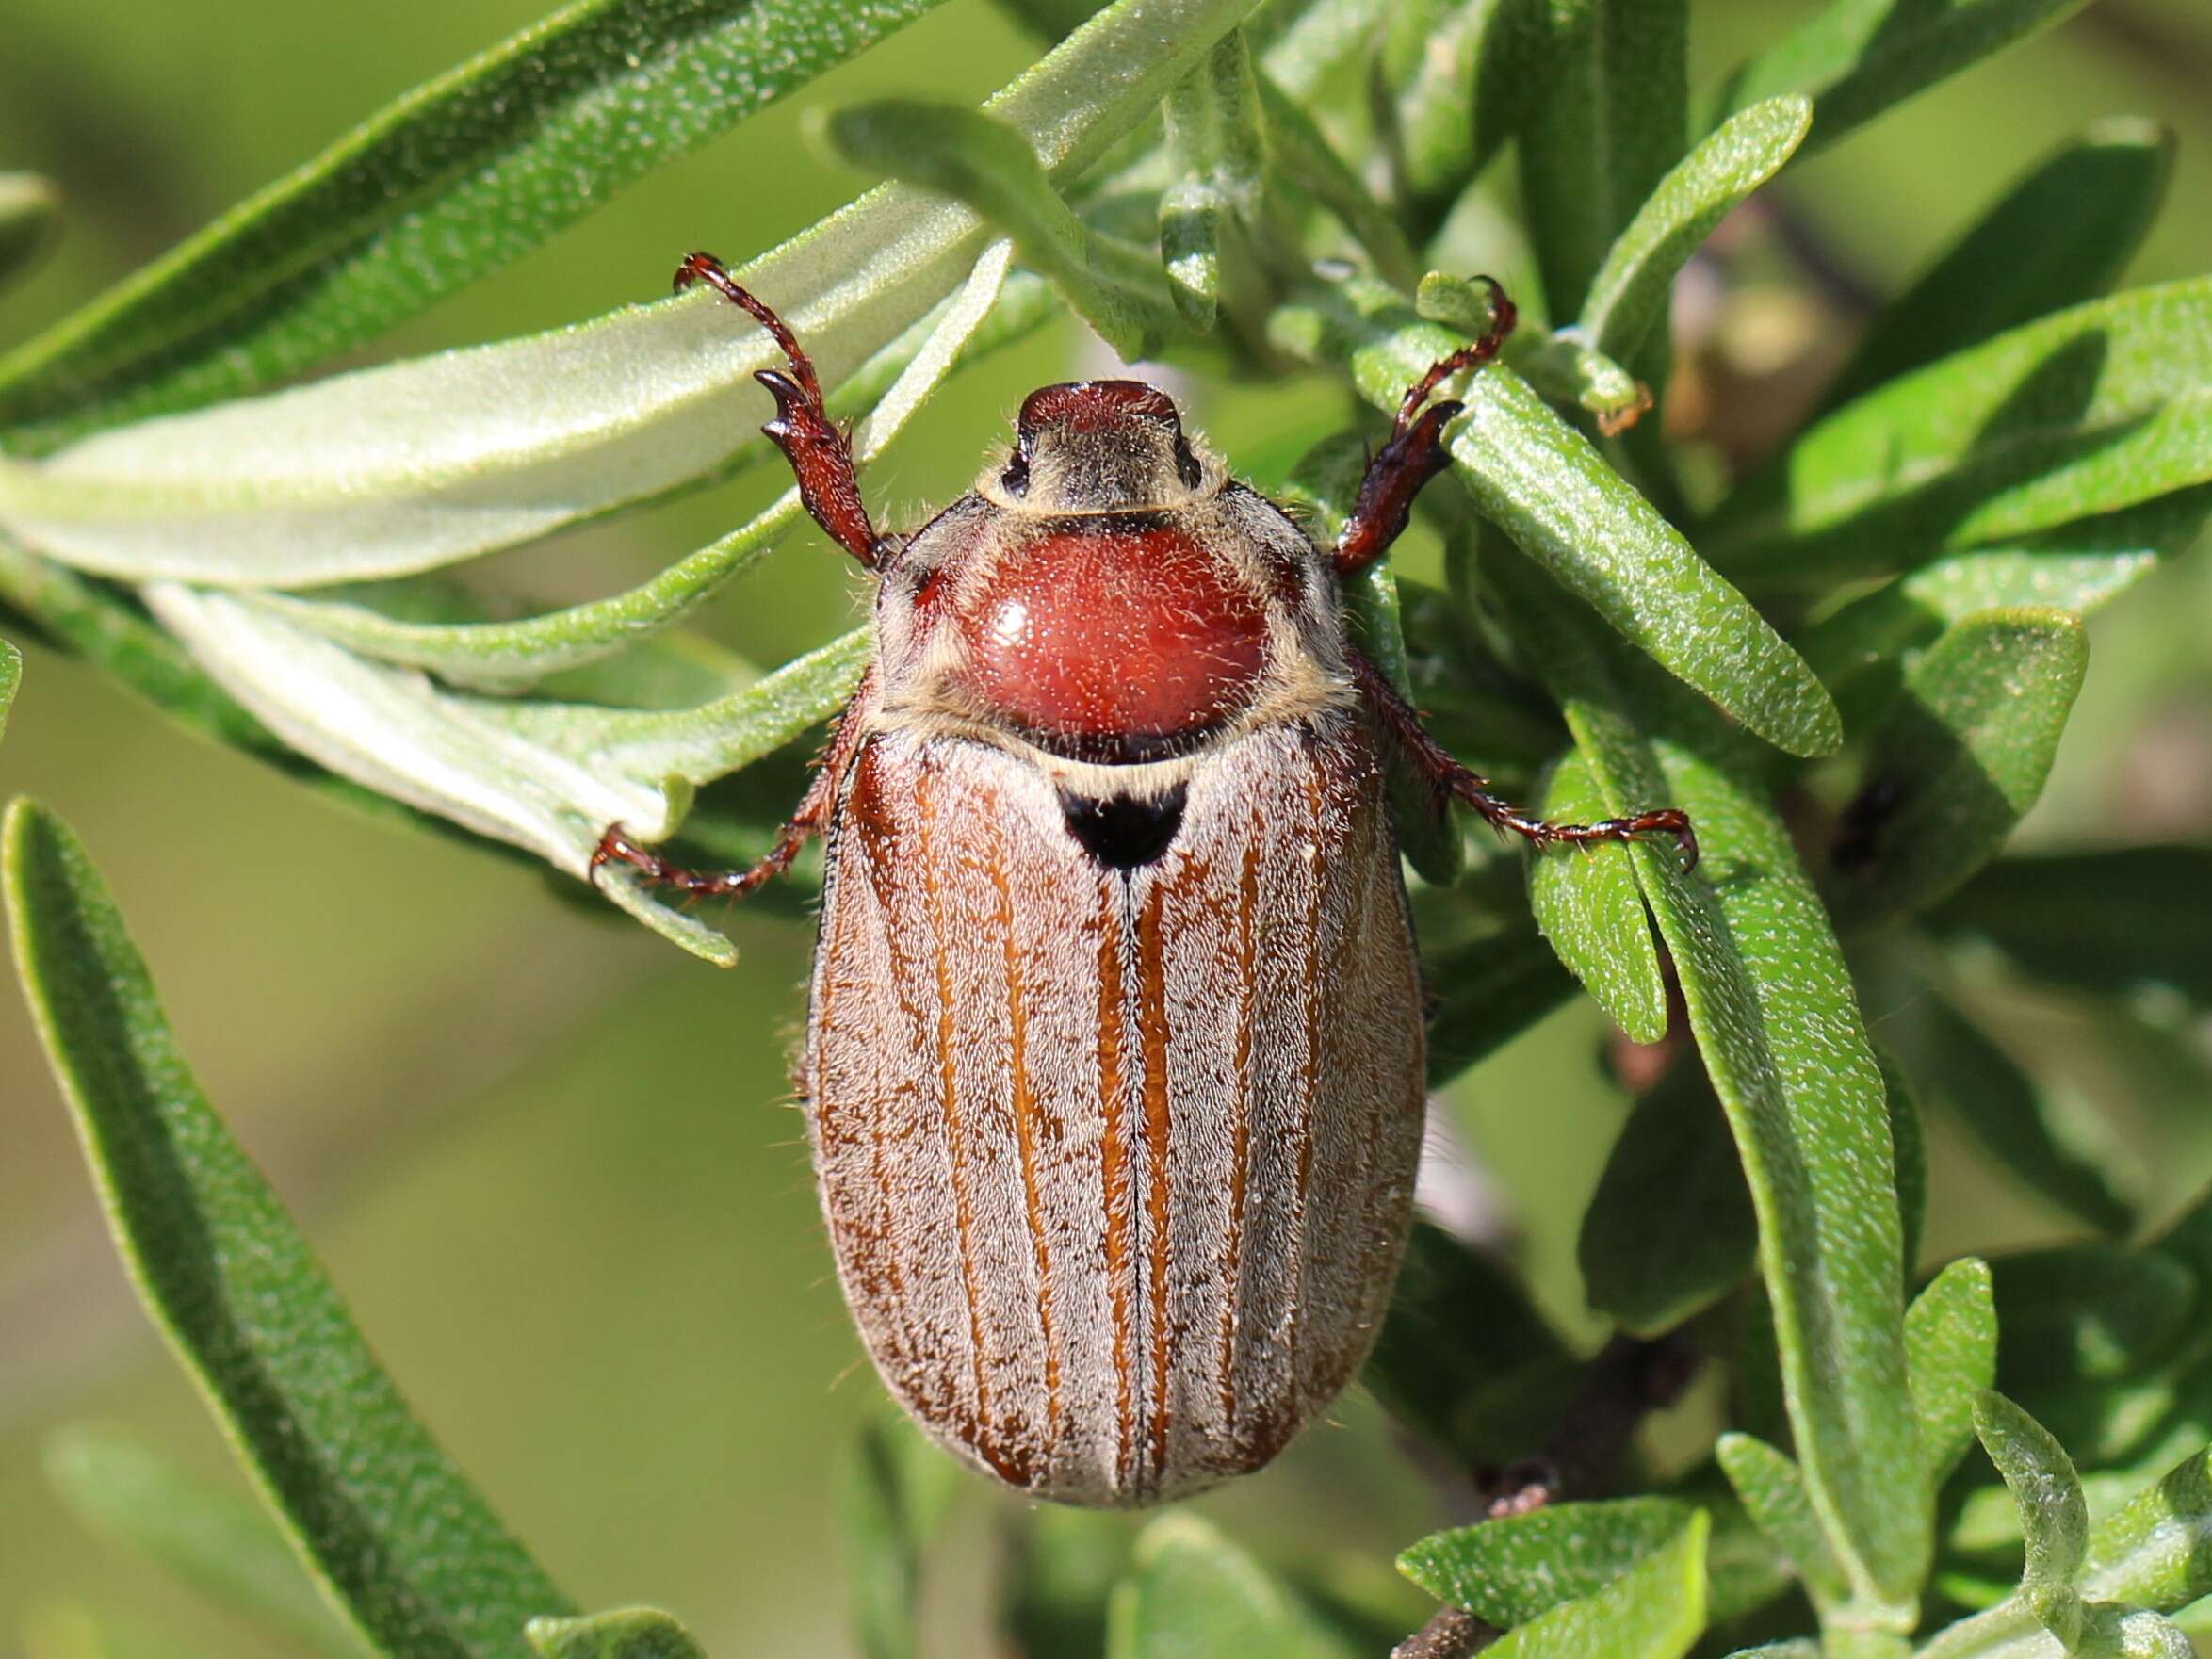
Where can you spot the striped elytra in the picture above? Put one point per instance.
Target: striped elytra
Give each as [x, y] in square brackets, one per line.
[1114, 1062]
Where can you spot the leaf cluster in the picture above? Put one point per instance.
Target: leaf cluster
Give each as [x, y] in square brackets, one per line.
[1851, 660]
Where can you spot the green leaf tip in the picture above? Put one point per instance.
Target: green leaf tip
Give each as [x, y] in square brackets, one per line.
[627, 1633]
[387, 1525]
[10, 681]
[1950, 1360]
[1592, 911]
[1655, 1610]
[2054, 1514]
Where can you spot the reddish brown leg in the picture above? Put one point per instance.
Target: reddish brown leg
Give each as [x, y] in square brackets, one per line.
[1415, 453]
[821, 454]
[1452, 781]
[615, 846]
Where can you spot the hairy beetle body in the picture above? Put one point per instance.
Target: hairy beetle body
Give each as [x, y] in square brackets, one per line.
[1114, 1062]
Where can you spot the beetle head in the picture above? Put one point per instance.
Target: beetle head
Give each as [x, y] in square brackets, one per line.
[1098, 447]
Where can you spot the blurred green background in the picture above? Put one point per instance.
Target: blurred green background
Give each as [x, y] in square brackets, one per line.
[553, 1162]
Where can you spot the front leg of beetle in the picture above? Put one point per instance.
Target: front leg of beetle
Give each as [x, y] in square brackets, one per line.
[1452, 781]
[812, 817]
[818, 450]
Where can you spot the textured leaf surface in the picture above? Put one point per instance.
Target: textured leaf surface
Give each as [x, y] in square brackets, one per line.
[394, 1530]
[1191, 1594]
[2082, 413]
[1540, 481]
[1777, 1022]
[1655, 1610]
[455, 180]
[629, 1633]
[1629, 294]
[1950, 1358]
[1520, 1567]
[1592, 912]
[224, 1545]
[1857, 57]
[2054, 1516]
[1670, 1229]
[2057, 237]
[415, 465]
[1958, 759]
[1773, 1491]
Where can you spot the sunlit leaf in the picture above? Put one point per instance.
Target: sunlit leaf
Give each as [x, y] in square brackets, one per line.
[1950, 1356]
[1517, 1568]
[1655, 1610]
[629, 1633]
[2057, 237]
[390, 1527]
[415, 465]
[1857, 57]
[2082, 413]
[1958, 759]
[1540, 481]
[2053, 1516]
[1772, 1488]
[1592, 912]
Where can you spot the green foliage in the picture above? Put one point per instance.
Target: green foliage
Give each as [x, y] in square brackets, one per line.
[1853, 667]
[393, 1532]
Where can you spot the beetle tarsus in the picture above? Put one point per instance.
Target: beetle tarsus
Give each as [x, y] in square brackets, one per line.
[820, 451]
[1451, 781]
[1415, 452]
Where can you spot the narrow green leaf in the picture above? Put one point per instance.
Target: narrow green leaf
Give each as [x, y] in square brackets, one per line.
[1219, 164]
[1459, 1327]
[1540, 481]
[31, 207]
[1777, 1022]
[10, 680]
[892, 1494]
[1592, 912]
[2135, 1633]
[2085, 1314]
[2115, 923]
[2082, 413]
[2057, 237]
[221, 1544]
[1488, 993]
[1670, 1229]
[1958, 759]
[2053, 1515]
[1442, 69]
[1191, 1594]
[507, 655]
[415, 465]
[628, 1633]
[1773, 1491]
[1629, 294]
[984, 163]
[1655, 1610]
[454, 181]
[1519, 1568]
[2156, 1552]
[1955, 1067]
[1857, 57]
[1305, 157]
[389, 1526]
[1860, 650]
[1950, 1358]
[1613, 121]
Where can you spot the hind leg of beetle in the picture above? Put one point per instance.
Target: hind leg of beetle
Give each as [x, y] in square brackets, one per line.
[1415, 452]
[1451, 781]
[616, 847]
[818, 448]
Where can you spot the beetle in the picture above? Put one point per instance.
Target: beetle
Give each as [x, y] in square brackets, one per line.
[1113, 1057]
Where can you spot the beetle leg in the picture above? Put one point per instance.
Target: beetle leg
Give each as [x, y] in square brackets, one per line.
[615, 846]
[1415, 452]
[819, 452]
[1452, 781]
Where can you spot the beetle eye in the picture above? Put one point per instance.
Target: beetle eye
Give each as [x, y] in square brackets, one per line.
[1015, 480]
[1186, 464]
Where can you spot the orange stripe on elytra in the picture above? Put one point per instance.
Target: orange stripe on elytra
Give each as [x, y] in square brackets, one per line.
[1152, 1026]
[1240, 1141]
[1025, 1128]
[925, 808]
[1113, 1165]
